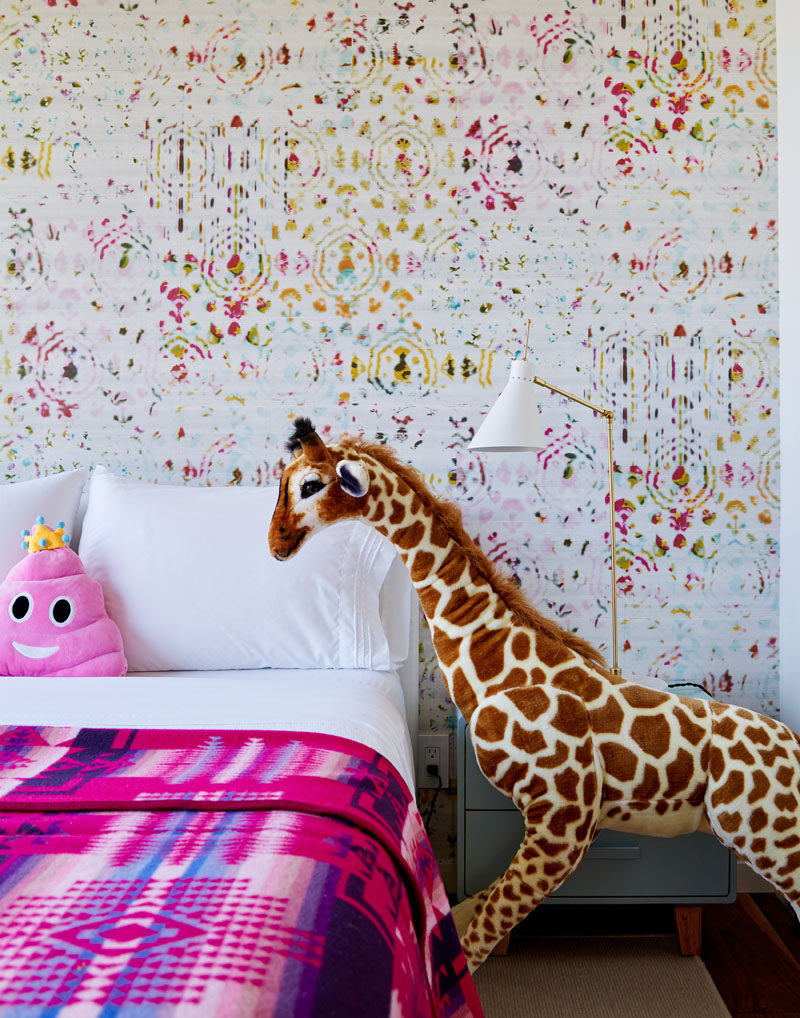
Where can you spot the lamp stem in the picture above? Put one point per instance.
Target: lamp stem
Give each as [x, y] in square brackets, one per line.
[609, 417]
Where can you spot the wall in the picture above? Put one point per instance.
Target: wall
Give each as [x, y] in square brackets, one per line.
[789, 85]
[216, 214]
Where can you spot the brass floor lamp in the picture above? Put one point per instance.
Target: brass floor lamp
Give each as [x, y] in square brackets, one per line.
[513, 424]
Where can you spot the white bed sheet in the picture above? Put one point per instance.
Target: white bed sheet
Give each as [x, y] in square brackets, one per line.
[363, 705]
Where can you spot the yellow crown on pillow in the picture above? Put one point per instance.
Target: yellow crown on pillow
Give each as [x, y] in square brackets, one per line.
[42, 538]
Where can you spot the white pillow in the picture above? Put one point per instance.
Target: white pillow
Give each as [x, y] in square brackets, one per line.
[189, 580]
[55, 497]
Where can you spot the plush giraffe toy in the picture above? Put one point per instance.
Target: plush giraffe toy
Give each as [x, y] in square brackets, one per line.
[575, 747]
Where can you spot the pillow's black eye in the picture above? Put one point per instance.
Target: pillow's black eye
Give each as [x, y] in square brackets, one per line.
[310, 487]
[61, 611]
[21, 607]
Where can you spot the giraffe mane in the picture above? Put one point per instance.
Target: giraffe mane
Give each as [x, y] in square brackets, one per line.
[449, 515]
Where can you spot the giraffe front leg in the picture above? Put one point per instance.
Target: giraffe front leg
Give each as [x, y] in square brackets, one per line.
[542, 863]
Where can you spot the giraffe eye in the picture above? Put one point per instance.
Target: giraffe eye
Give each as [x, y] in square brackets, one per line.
[310, 487]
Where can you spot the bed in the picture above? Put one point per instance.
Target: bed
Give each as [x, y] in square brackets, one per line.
[230, 827]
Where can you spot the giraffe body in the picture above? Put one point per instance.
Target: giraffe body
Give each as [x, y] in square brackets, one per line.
[576, 748]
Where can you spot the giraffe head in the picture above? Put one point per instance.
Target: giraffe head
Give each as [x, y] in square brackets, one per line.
[321, 485]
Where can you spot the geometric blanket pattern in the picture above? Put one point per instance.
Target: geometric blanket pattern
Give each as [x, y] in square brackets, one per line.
[216, 873]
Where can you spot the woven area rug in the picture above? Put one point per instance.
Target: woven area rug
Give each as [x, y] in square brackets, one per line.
[597, 977]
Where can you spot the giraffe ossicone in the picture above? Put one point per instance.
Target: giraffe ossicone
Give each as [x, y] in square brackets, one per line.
[576, 748]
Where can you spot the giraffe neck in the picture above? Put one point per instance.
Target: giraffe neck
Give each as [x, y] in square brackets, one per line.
[471, 620]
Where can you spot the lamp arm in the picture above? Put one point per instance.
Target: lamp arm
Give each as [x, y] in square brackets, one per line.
[609, 418]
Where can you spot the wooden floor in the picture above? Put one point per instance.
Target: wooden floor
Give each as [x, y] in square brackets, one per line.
[752, 951]
[751, 947]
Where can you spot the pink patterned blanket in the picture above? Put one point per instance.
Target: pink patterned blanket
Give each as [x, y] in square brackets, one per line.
[216, 873]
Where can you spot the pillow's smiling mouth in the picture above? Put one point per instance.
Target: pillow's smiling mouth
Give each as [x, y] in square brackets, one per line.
[27, 651]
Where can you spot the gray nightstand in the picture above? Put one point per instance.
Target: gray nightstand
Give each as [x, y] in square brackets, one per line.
[686, 871]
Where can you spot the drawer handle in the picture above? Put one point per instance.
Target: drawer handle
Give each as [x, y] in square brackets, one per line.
[629, 852]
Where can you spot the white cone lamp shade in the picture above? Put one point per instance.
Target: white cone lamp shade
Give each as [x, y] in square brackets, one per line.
[513, 424]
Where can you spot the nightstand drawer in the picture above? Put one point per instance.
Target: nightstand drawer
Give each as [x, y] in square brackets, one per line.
[617, 867]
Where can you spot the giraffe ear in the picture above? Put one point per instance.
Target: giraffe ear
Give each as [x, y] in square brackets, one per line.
[353, 477]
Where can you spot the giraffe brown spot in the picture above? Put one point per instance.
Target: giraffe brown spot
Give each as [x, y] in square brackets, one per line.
[537, 677]
[652, 733]
[517, 771]
[550, 848]
[571, 679]
[536, 812]
[551, 652]
[619, 760]
[439, 536]
[529, 742]
[690, 730]
[535, 787]
[571, 717]
[769, 756]
[662, 807]
[567, 784]
[716, 763]
[786, 803]
[584, 755]
[607, 718]
[389, 486]
[552, 869]
[758, 820]
[679, 773]
[760, 787]
[398, 513]
[530, 701]
[487, 650]
[592, 689]
[463, 609]
[583, 830]
[641, 697]
[726, 729]
[491, 724]
[784, 823]
[784, 776]
[756, 734]
[611, 794]
[508, 892]
[411, 536]
[649, 785]
[758, 845]
[451, 569]
[792, 864]
[447, 650]
[730, 791]
[490, 760]
[730, 822]
[378, 512]
[789, 842]
[421, 566]
[556, 759]
[513, 680]
[698, 794]
[429, 598]
[463, 694]
[562, 818]
[521, 646]
[739, 751]
[589, 788]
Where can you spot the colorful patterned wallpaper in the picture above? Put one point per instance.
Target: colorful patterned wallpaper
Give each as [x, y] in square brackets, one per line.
[218, 212]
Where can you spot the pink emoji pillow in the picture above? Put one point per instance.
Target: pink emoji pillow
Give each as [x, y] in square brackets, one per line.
[53, 618]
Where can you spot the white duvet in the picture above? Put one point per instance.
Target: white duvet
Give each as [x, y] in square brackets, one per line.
[366, 706]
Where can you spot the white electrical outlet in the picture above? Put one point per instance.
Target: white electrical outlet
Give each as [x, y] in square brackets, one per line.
[433, 750]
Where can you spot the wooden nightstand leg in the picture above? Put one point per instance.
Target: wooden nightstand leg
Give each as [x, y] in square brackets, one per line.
[501, 947]
[689, 924]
